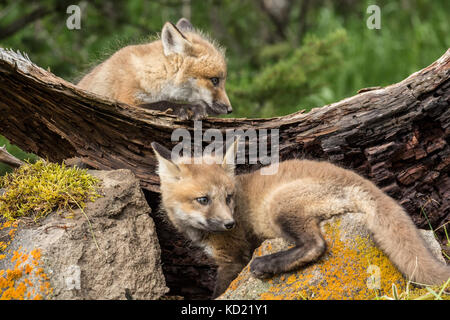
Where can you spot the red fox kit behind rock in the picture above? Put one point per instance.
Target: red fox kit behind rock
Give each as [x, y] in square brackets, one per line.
[205, 201]
[182, 67]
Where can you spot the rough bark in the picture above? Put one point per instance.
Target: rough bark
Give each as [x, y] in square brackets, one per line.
[397, 136]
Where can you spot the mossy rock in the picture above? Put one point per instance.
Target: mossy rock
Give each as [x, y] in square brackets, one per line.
[106, 250]
[352, 268]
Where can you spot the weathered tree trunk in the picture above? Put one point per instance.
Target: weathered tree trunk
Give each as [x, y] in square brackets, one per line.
[8, 158]
[397, 136]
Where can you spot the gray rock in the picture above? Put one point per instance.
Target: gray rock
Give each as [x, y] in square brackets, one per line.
[113, 255]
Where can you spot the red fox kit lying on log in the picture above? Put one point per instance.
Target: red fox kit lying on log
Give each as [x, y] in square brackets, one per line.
[231, 215]
[183, 67]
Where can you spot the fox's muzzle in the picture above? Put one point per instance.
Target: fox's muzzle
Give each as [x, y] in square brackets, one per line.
[220, 225]
[220, 108]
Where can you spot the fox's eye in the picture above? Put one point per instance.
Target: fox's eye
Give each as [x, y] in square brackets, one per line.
[229, 198]
[203, 200]
[215, 81]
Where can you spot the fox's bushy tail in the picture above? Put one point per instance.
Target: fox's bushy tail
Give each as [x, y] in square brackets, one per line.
[395, 233]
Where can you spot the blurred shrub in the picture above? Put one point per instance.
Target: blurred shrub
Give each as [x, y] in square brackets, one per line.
[289, 79]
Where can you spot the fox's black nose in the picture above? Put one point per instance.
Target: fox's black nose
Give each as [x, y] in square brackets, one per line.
[229, 225]
[229, 109]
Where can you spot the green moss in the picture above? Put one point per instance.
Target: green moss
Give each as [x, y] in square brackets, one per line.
[35, 190]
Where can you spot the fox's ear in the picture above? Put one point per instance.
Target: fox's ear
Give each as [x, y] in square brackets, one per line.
[173, 40]
[228, 162]
[167, 170]
[184, 25]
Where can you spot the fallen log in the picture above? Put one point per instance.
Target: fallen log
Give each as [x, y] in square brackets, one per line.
[9, 159]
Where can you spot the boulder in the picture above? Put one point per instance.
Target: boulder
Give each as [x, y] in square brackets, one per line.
[108, 250]
[352, 268]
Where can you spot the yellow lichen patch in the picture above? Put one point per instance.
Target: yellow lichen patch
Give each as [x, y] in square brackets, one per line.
[350, 269]
[271, 296]
[17, 283]
[291, 279]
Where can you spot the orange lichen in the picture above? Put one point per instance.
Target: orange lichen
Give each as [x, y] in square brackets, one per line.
[12, 226]
[28, 269]
[36, 253]
[28, 282]
[239, 279]
[16, 283]
[271, 296]
[291, 279]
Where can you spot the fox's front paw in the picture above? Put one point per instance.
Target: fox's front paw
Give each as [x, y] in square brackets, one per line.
[190, 112]
[260, 269]
[182, 111]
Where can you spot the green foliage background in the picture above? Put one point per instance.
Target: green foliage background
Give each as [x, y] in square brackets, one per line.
[325, 53]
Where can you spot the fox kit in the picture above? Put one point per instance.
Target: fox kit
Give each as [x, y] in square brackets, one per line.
[231, 215]
[183, 67]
